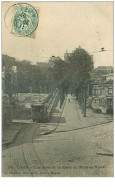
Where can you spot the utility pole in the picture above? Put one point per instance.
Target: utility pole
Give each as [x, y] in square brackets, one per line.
[84, 99]
[31, 99]
[84, 104]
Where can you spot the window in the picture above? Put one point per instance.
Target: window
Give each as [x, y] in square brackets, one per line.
[100, 102]
[103, 90]
[34, 108]
[110, 91]
[110, 102]
[95, 91]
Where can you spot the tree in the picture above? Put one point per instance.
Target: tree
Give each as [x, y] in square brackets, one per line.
[80, 63]
[59, 71]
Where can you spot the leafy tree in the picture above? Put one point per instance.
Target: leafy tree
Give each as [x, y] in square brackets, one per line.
[59, 71]
[80, 63]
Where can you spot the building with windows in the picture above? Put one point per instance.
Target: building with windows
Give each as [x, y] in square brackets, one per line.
[102, 93]
[104, 86]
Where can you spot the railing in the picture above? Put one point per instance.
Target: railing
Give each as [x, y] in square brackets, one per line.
[53, 101]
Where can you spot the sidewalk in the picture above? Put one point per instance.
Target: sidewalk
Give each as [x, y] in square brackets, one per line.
[74, 119]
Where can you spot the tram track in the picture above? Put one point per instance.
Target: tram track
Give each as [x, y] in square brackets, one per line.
[31, 147]
[38, 158]
[25, 157]
[29, 154]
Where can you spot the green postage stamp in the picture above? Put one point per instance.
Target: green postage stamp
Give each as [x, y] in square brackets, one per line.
[25, 21]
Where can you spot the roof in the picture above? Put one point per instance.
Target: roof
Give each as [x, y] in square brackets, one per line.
[39, 104]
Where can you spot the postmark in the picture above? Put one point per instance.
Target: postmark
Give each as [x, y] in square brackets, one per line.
[25, 20]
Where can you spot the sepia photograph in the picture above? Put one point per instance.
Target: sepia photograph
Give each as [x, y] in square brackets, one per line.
[57, 89]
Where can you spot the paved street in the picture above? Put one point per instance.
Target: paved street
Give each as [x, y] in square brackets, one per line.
[79, 146]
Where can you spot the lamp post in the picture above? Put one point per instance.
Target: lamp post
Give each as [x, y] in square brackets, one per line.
[85, 95]
[84, 104]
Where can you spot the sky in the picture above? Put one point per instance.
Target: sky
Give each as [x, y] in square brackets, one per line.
[63, 26]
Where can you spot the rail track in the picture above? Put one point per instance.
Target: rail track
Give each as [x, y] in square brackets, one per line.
[32, 160]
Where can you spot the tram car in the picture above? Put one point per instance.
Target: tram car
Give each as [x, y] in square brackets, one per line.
[103, 104]
[41, 112]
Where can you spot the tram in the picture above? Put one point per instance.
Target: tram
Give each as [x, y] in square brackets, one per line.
[41, 112]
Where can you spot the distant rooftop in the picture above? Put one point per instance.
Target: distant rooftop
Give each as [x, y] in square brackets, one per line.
[100, 71]
[104, 67]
